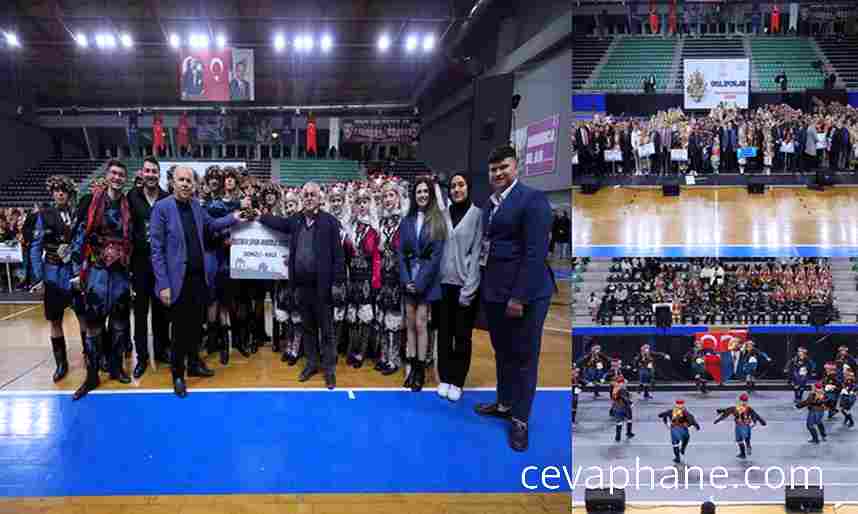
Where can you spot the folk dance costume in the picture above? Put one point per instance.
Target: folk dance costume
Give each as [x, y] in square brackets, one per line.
[816, 405]
[364, 269]
[645, 364]
[621, 408]
[847, 398]
[749, 359]
[680, 420]
[696, 359]
[270, 196]
[615, 372]
[832, 387]
[595, 366]
[576, 391]
[286, 312]
[53, 267]
[800, 369]
[389, 315]
[745, 418]
[102, 247]
[844, 362]
[340, 209]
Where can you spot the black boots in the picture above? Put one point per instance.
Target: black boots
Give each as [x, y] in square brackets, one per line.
[117, 359]
[741, 451]
[224, 344]
[676, 454]
[409, 379]
[419, 376]
[90, 349]
[240, 338]
[629, 433]
[619, 433]
[59, 346]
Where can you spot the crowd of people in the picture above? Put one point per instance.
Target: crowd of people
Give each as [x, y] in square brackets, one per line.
[377, 269]
[715, 290]
[783, 139]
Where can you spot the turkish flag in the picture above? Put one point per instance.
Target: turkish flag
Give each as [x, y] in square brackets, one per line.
[776, 19]
[214, 65]
[713, 366]
[718, 341]
[182, 137]
[311, 136]
[157, 134]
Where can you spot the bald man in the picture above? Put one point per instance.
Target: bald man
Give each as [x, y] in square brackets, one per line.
[177, 229]
[316, 263]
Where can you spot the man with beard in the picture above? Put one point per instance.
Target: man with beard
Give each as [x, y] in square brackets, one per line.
[141, 202]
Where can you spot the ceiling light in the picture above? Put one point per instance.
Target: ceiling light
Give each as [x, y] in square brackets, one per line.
[221, 41]
[175, 41]
[384, 42]
[126, 40]
[82, 41]
[279, 42]
[327, 43]
[428, 43]
[411, 43]
[12, 39]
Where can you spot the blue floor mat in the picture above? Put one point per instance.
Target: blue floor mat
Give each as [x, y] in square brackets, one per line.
[254, 442]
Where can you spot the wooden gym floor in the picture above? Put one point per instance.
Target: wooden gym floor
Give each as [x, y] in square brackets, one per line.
[27, 365]
[640, 217]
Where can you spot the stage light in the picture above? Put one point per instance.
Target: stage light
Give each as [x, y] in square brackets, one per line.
[221, 41]
[309, 43]
[126, 40]
[298, 43]
[279, 42]
[105, 41]
[82, 41]
[327, 43]
[384, 42]
[428, 43]
[411, 43]
[175, 41]
[12, 39]
[199, 41]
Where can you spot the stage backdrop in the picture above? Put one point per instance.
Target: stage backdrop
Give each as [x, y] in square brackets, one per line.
[216, 75]
[709, 82]
[536, 146]
[199, 168]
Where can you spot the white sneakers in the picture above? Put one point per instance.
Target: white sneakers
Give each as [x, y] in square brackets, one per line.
[449, 391]
[454, 393]
[443, 389]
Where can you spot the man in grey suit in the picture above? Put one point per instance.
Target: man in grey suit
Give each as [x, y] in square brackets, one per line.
[810, 147]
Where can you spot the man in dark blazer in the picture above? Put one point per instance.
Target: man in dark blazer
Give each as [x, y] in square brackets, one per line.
[316, 266]
[517, 289]
[177, 229]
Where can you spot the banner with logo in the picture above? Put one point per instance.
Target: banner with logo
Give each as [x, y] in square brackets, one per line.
[216, 75]
[10, 251]
[540, 155]
[380, 131]
[720, 365]
[199, 168]
[711, 82]
[258, 252]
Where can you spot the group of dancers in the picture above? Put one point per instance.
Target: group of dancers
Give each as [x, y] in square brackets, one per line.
[88, 252]
[833, 392]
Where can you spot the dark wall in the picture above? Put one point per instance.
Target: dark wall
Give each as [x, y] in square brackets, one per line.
[444, 144]
[490, 128]
[22, 146]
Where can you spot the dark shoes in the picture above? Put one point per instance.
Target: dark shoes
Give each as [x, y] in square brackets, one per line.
[330, 380]
[518, 435]
[200, 369]
[179, 387]
[307, 373]
[141, 367]
[492, 410]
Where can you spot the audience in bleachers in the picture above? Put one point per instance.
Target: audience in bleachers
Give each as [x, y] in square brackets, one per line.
[712, 290]
[786, 140]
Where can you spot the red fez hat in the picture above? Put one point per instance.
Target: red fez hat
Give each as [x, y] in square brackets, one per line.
[743, 397]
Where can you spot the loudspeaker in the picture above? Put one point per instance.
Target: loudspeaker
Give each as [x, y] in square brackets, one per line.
[756, 187]
[590, 185]
[818, 314]
[605, 500]
[804, 499]
[663, 315]
[670, 189]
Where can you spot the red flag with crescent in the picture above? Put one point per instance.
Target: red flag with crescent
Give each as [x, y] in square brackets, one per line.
[157, 134]
[311, 135]
[182, 137]
[204, 74]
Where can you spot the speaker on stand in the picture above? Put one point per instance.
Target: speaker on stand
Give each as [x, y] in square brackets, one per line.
[602, 501]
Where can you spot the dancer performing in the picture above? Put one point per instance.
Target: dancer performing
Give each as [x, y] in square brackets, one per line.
[745, 417]
[832, 385]
[696, 358]
[621, 408]
[680, 420]
[847, 398]
[800, 369]
[645, 364]
[594, 364]
[816, 405]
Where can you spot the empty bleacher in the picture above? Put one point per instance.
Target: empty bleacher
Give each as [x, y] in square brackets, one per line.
[631, 60]
[407, 170]
[795, 56]
[585, 57]
[297, 172]
[29, 187]
[842, 52]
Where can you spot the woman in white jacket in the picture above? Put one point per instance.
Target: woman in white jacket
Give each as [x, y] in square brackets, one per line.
[460, 281]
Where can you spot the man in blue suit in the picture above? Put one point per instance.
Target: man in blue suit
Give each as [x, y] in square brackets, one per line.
[178, 224]
[517, 289]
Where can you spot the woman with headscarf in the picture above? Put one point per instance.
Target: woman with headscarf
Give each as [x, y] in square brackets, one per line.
[460, 280]
[389, 315]
[423, 235]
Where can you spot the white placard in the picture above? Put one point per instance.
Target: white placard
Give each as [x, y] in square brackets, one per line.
[258, 252]
[613, 155]
[646, 150]
[788, 147]
[10, 251]
[679, 154]
[710, 82]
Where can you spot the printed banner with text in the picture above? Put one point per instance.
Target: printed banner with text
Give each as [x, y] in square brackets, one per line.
[710, 82]
[380, 131]
[258, 252]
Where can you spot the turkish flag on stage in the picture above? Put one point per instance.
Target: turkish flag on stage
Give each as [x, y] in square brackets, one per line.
[311, 136]
[776, 19]
[713, 366]
[719, 340]
[182, 137]
[157, 134]
[204, 75]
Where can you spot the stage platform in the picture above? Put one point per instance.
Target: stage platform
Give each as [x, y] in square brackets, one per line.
[780, 450]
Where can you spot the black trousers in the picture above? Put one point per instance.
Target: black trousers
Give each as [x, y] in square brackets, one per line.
[187, 314]
[144, 296]
[455, 325]
[317, 322]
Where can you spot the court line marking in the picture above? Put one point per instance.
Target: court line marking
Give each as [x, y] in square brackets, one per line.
[254, 390]
[23, 311]
[712, 245]
[720, 503]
